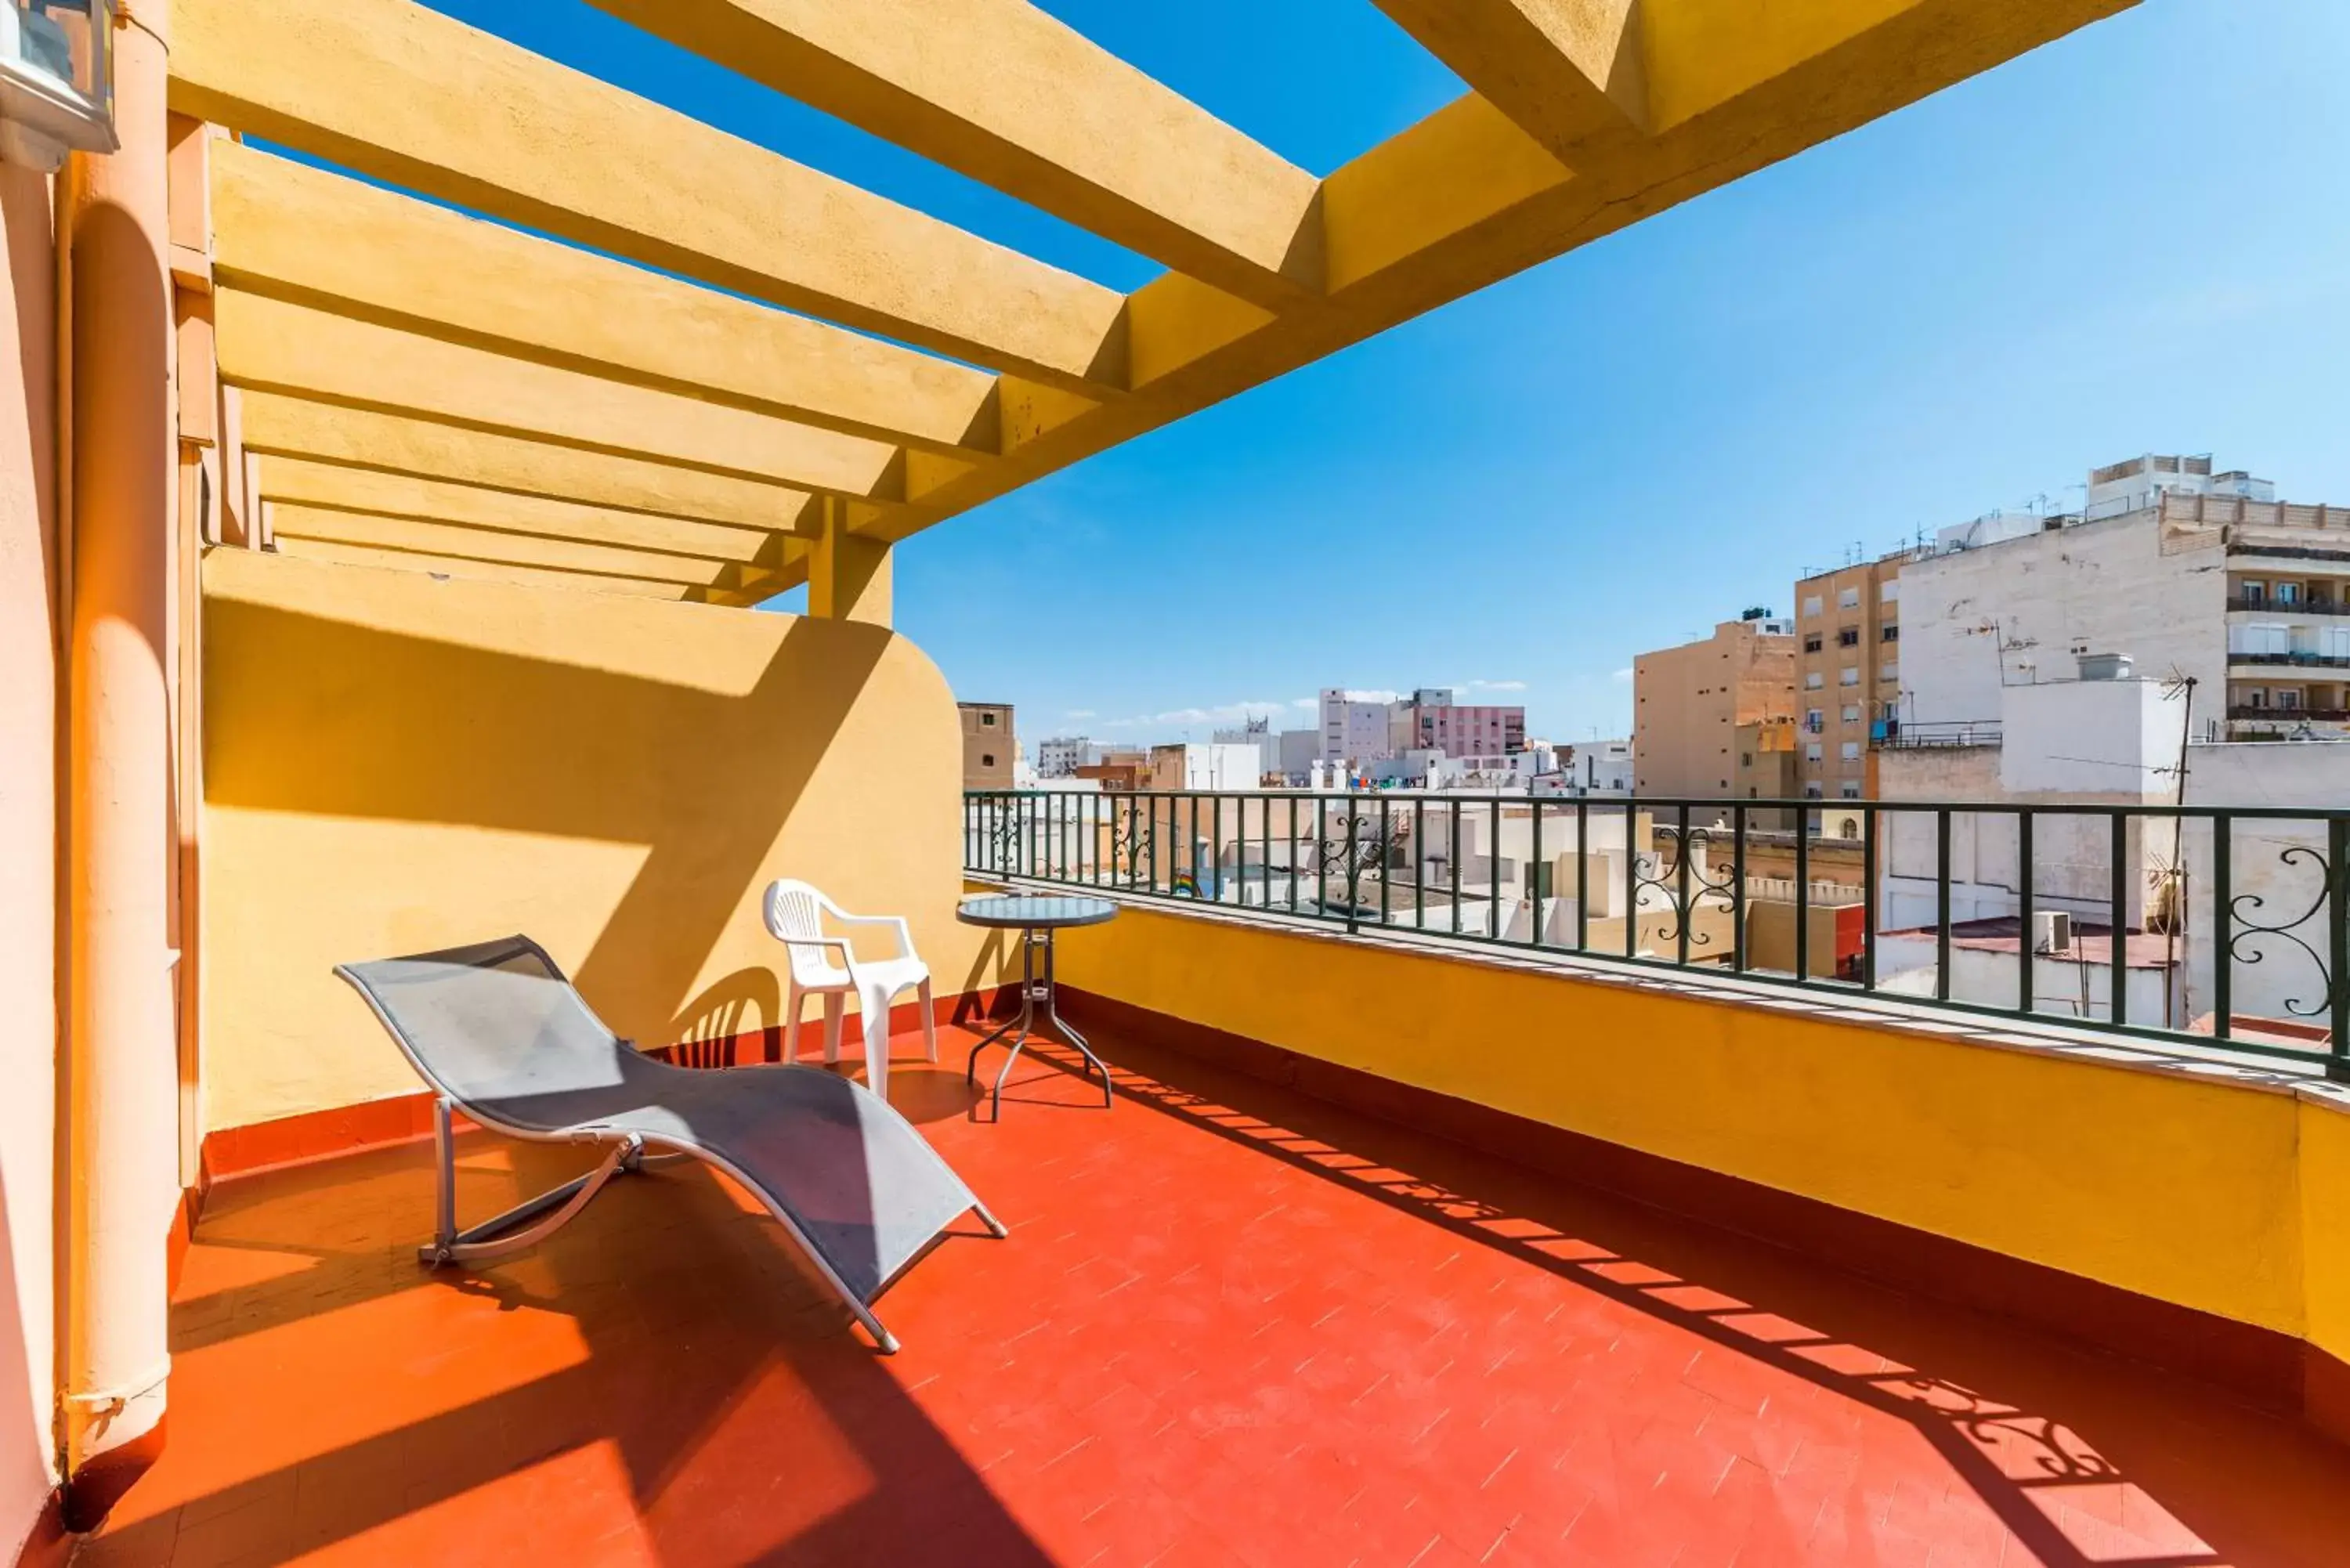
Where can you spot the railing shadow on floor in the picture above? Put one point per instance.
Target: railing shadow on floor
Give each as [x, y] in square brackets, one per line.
[2008, 1409]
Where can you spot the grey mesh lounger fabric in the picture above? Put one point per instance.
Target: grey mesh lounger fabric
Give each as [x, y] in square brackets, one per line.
[504, 1037]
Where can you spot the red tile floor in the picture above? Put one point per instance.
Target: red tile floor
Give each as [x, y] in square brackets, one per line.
[1231, 1325]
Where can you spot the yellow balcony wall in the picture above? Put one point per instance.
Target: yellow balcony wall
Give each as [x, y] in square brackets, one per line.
[397, 761]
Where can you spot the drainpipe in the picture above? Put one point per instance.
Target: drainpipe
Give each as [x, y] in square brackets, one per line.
[122, 1117]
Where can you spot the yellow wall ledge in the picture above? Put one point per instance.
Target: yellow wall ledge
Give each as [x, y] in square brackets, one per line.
[2230, 1197]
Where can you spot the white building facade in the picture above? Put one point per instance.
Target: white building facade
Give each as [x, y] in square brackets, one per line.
[1191, 765]
[1061, 756]
[2248, 598]
[1354, 727]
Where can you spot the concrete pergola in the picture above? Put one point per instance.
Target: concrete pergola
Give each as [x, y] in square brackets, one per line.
[415, 385]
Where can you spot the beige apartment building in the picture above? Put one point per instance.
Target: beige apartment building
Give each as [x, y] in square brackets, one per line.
[1689, 703]
[1847, 673]
[988, 746]
[1766, 768]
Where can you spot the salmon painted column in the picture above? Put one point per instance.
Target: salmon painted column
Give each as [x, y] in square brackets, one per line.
[122, 1129]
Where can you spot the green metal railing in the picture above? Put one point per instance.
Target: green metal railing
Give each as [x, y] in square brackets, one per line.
[2231, 925]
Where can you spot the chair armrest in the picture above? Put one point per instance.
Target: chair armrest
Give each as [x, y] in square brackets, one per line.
[897, 922]
[840, 942]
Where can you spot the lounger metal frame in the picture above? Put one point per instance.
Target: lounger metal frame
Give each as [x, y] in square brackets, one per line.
[498, 1237]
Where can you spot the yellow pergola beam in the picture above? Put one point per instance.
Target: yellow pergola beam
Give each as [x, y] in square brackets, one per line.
[347, 555]
[403, 94]
[1475, 192]
[295, 232]
[1012, 96]
[1466, 198]
[276, 345]
[370, 442]
[1572, 74]
[294, 520]
[301, 481]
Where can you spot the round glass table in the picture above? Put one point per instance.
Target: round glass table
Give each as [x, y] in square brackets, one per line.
[1037, 916]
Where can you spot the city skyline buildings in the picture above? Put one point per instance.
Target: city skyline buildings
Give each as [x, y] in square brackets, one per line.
[1897, 335]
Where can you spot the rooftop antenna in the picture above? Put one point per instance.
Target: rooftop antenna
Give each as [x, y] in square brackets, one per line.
[2181, 685]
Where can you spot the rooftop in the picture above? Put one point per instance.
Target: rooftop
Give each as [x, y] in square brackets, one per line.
[1233, 1324]
[2090, 944]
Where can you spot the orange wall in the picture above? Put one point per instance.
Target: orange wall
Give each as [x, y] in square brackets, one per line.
[28, 999]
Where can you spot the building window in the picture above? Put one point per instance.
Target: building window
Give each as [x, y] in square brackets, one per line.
[2288, 592]
[2288, 697]
[1812, 643]
[1851, 792]
[1812, 682]
[1812, 790]
[1812, 717]
[2261, 638]
[1889, 670]
[987, 721]
[987, 759]
[1850, 676]
[1889, 591]
[1852, 751]
[1812, 752]
[1852, 713]
[1848, 599]
[2253, 593]
[1848, 638]
[1811, 605]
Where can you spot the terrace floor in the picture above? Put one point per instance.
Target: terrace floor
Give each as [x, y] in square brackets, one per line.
[1231, 1325]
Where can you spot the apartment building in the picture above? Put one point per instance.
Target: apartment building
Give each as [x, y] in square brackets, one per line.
[1354, 727]
[1216, 765]
[1430, 721]
[1296, 751]
[1848, 672]
[1600, 767]
[1766, 766]
[1361, 728]
[1688, 703]
[2247, 597]
[1060, 756]
[1258, 734]
[988, 746]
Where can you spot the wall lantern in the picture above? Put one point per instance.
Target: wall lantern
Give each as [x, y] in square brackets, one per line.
[57, 80]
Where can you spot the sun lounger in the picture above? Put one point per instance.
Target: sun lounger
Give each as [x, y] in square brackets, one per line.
[502, 1036]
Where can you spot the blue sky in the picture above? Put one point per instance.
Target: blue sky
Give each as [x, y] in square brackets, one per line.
[2137, 239]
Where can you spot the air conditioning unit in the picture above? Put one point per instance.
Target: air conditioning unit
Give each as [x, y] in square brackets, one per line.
[2052, 931]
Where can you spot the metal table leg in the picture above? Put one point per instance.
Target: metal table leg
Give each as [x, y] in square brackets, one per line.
[1033, 990]
[1053, 1016]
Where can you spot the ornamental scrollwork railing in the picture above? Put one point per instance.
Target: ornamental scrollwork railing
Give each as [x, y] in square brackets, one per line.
[2232, 924]
[1684, 888]
[2246, 926]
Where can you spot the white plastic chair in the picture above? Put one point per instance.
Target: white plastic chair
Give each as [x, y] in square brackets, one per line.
[829, 967]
